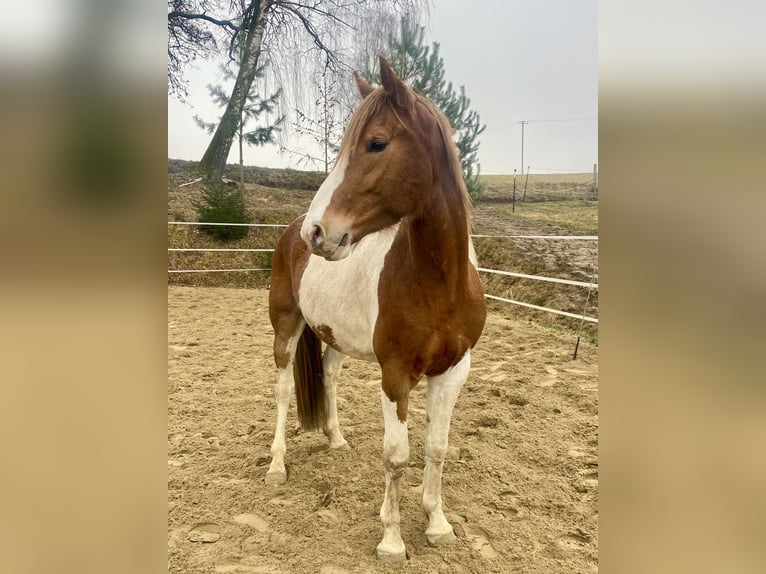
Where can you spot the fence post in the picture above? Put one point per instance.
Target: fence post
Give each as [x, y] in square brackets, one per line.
[594, 184]
[524, 197]
[584, 310]
[513, 202]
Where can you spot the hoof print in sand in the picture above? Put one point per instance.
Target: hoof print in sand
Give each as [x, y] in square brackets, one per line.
[479, 540]
[204, 532]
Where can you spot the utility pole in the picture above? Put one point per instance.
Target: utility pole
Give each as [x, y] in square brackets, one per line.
[523, 123]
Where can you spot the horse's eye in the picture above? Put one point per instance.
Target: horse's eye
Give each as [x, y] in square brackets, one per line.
[376, 146]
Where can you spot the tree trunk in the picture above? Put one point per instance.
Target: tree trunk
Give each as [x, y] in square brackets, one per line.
[326, 128]
[213, 161]
[241, 161]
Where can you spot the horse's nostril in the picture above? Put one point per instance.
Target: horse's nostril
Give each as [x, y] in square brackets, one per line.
[317, 235]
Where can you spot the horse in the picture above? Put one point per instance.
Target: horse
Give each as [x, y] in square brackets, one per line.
[381, 268]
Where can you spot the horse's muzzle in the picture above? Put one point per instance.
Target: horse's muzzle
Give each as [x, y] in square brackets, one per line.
[332, 249]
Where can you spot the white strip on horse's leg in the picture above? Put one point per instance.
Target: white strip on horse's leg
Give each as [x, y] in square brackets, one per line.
[396, 454]
[443, 391]
[283, 391]
[332, 362]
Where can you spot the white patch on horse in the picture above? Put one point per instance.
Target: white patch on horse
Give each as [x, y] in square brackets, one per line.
[396, 448]
[283, 391]
[396, 454]
[343, 295]
[443, 391]
[323, 197]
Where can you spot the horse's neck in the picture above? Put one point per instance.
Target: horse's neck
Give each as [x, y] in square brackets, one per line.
[439, 240]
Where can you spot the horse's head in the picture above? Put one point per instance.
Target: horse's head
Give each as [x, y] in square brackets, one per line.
[382, 170]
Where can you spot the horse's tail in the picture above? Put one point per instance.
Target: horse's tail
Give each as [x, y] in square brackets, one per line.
[309, 383]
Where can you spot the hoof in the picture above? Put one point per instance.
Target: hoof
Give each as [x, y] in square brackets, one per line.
[274, 478]
[340, 446]
[391, 557]
[441, 539]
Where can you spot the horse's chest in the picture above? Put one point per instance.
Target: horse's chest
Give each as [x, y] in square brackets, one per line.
[339, 299]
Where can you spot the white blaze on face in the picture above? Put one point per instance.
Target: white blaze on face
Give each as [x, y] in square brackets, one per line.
[323, 197]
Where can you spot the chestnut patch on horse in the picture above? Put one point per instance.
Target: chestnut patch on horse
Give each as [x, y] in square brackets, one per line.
[324, 332]
[288, 264]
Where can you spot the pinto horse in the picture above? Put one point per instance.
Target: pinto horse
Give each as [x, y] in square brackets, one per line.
[381, 268]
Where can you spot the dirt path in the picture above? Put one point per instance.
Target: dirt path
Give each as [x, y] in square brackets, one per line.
[520, 482]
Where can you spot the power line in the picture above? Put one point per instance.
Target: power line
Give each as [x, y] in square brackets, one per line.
[523, 123]
[511, 121]
[508, 171]
[563, 120]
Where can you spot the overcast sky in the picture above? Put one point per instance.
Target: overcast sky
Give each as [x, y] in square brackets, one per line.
[519, 60]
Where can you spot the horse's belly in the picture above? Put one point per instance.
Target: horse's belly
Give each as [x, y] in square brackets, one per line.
[339, 299]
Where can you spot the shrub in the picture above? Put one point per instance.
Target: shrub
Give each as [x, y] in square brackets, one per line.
[223, 204]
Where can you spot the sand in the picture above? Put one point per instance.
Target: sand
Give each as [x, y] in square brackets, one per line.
[520, 481]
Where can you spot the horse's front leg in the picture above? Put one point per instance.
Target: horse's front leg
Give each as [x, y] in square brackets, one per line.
[396, 455]
[443, 391]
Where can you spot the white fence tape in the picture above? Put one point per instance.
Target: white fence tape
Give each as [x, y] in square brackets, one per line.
[214, 270]
[570, 237]
[227, 224]
[233, 249]
[540, 278]
[564, 237]
[539, 308]
[482, 269]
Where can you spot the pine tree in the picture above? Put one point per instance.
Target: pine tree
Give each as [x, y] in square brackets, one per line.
[422, 67]
[222, 203]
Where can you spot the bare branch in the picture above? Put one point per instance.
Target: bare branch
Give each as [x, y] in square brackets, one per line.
[186, 16]
[312, 31]
[318, 10]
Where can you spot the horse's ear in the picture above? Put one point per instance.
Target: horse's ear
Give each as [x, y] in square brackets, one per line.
[365, 89]
[396, 89]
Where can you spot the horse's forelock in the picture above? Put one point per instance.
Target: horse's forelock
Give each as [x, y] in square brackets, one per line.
[369, 107]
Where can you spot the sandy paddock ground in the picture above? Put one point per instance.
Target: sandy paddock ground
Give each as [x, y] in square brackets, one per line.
[520, 481]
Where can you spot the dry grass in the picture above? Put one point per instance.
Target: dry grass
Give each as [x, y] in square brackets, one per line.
[545, 187]
[265, 202]
[577, 217]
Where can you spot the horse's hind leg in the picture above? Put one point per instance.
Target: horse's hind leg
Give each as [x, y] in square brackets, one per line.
[332, 362]
[287, 333]
[443, 391]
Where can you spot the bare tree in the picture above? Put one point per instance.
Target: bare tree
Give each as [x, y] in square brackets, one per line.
[324, 120]
[288, 33]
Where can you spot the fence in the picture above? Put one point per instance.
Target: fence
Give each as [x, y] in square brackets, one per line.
[588, 285]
